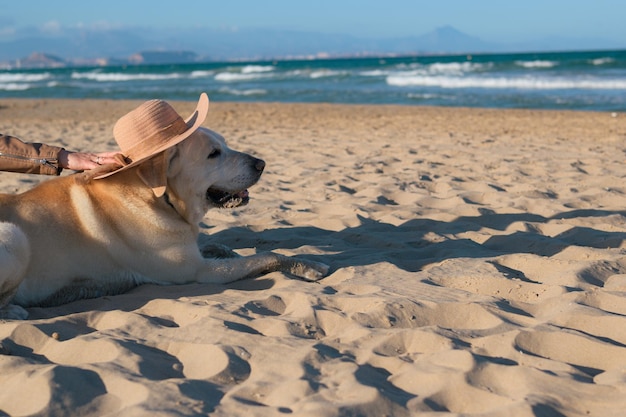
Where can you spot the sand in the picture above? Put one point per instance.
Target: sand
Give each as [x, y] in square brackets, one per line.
[478, 268]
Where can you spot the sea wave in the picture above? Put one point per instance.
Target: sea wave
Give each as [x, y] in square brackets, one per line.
[573, 80]
[527, 83]
[251, 69]
[449, 69]
[17, 77]
[374, 73]
[201, 74]
[424, 96]
[238, 76]
[327, 73]
[245, 73]
[248, 92]
[602, 61]
[15, 86]
[537, 64]
[456, 67]
[121, 77]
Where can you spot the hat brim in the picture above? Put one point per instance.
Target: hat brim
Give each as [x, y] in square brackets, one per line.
[193, 123]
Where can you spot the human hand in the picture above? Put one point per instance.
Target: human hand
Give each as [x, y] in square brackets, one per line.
[80, 161]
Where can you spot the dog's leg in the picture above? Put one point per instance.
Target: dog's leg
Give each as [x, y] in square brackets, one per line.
[228, 270]
[215, 250]
[14, 258]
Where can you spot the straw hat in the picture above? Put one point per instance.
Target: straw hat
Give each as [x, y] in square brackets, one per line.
[152, 128]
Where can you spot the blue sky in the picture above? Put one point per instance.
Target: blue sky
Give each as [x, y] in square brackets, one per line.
[491, 20]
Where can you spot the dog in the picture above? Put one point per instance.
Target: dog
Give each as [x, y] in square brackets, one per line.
[85, 236]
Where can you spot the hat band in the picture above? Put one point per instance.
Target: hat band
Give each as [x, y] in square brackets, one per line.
[156, 140]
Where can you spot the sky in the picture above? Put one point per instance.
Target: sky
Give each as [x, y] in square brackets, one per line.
[490, 20]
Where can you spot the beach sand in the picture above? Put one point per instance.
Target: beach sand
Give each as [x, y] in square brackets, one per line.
[478, 267]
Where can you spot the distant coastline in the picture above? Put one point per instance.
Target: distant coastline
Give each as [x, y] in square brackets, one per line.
[42, 60]
[588, 80]
[85, 48]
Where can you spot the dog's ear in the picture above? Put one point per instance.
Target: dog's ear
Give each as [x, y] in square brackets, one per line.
[153, 173]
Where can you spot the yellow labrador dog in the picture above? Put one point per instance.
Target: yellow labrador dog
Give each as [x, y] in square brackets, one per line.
[94, 234]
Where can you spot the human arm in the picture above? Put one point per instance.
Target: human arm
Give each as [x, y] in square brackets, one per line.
[39, 158]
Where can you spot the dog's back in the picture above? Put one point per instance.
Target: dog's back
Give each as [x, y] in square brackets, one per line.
[58, 235]
[37, 204]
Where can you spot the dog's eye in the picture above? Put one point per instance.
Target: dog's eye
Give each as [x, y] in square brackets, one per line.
[214, 153]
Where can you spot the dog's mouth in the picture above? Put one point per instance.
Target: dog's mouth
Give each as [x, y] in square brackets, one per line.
[223, 199]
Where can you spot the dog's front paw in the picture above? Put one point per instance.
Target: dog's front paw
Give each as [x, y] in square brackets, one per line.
[309, 270]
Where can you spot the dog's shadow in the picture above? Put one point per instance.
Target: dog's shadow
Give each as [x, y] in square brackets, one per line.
[409, 246]
[419, 242]
[142, 295]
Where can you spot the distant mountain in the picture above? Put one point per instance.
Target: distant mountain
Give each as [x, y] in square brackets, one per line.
[39, 60]
[202, 44]
[76, 44]
[447, 39]
[163, 57]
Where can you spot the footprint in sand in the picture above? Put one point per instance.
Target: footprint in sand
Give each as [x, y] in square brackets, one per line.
[271, 306]
[592, 354]
[267, 316]
[220, 364]
[412, 342]
[404, 313]
[59, 390]
[29, 341]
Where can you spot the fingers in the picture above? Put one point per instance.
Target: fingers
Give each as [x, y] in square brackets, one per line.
[106, 158]
[80, 161]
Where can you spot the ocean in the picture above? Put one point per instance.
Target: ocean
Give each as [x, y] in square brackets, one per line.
[593, 80]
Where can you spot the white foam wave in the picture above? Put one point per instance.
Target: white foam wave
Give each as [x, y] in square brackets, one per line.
[14, 86]
[602, 61]
[245, 73]
[121, 77]
[326, 73]
[405, 73]
[251, 69]
[529, 83]
[249, 92]
[374, 73]
[296, 74]
[201, 74]
[454, 67]
[17, 77]
[537, 64]
[236, 76]
[422, 96]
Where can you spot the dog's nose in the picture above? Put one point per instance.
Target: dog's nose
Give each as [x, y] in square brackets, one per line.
[259, 164]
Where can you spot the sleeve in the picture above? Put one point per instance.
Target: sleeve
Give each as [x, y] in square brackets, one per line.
[30, 158]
